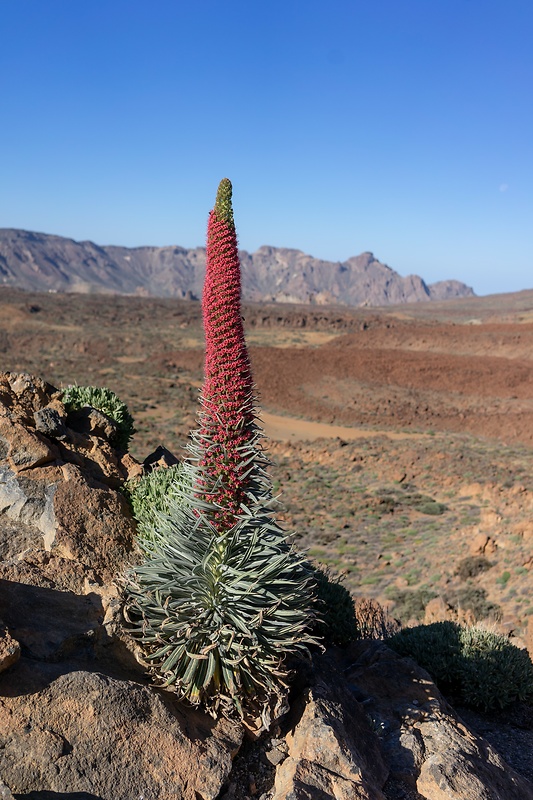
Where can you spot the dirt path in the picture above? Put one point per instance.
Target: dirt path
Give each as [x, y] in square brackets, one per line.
[284, 429]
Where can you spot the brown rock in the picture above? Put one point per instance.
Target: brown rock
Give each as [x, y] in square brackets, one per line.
[426, 745]
[160, 458]
[48, 570]
[131, 467]
[437, 610]
[49, 624]
[332, 752]
[482, 544]
[92, 421]
[96, 457]
[94, 524]
[28, 393]
[86, 732]
[26, 448]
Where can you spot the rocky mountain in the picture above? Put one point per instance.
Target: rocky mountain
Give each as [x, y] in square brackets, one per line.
[42, 262]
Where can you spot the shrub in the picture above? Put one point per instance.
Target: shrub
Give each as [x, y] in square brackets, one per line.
[474, 599]
[411, 603]
[472, 566]
[373, 622]
[216, 611]
[222, 598]
[337, 623]
[102, 399]
[153, 496]
[482, 669]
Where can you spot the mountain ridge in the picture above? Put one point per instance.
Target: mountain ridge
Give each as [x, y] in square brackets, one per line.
[47, 262]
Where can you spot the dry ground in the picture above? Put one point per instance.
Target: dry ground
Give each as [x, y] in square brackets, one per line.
[401, 437]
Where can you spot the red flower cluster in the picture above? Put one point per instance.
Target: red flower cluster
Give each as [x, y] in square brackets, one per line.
[227, 416]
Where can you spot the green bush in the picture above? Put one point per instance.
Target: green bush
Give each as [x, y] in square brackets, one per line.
[153, 496]
[474, 599]
[480, 668]
[336, 623]
[102, 399]
[472, 566]
[410, 603]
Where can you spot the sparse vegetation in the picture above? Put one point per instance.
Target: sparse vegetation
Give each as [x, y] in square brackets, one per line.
[373, 622]
[410, 604]
[480, 668]
[474, 599]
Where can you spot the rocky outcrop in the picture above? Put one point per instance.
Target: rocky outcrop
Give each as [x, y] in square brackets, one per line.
[424, 743]
[59, 476]
[41, 262]
[332, 751]
[73, 730]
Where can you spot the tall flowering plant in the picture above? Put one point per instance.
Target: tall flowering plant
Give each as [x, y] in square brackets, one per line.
[228, 435]
[222, 598]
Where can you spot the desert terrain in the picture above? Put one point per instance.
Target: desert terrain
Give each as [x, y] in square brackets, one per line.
[401, 438]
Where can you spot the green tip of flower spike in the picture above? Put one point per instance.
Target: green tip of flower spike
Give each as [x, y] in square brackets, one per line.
[223, 208]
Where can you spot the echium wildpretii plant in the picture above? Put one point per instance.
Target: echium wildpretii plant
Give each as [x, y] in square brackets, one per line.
[222, 598]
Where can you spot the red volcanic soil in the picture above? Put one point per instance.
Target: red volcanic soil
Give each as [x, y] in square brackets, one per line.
[464, 379]
[461, 366]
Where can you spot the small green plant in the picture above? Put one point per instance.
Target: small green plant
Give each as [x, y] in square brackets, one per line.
[504, 578]
[480, 668]
[106, 401]
[431, 507]
[152, 498]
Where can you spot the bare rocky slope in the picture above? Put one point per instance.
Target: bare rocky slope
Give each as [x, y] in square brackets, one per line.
[42, 262]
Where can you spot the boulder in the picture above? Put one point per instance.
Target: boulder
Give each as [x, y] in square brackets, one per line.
[69, 730]
[332, 750]
[425, 744]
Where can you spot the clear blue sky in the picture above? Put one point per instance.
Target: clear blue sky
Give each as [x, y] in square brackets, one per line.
[404, 127]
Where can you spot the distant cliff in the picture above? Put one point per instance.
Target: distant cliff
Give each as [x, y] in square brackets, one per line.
[43, 262]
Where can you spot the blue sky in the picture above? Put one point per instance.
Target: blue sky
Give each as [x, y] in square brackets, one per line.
[404, 127]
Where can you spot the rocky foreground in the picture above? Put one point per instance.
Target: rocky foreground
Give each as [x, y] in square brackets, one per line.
[78, 718]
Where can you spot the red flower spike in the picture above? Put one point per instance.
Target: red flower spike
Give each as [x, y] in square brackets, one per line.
[227, 418]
